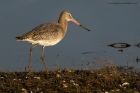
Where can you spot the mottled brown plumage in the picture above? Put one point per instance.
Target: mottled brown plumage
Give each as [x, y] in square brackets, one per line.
[45, 34]
[48, 34]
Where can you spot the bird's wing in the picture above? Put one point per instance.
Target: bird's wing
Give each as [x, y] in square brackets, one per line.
[44, 31]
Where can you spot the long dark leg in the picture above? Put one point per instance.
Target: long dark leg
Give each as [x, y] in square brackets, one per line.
[29, 67]
[43, 58]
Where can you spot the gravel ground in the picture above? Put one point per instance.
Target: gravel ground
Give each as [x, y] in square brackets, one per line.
[104, 80]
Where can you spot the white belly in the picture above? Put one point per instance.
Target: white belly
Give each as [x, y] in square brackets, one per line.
[44, 42]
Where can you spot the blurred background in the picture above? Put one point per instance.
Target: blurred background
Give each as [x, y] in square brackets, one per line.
[109, 23]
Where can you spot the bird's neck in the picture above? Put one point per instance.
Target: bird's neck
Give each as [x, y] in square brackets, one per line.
[63, 23]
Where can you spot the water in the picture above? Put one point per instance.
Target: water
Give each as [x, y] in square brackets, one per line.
[109, 24]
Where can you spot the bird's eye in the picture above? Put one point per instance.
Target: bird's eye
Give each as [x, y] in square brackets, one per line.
[69, 14]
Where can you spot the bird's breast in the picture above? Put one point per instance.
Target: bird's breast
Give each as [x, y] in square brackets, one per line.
[49, 42]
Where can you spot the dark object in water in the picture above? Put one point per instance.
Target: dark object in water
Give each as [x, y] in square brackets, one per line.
[87, 52]
[126, 3]
[138, 45]
[120, 45]
[120, 50]
[137, 59]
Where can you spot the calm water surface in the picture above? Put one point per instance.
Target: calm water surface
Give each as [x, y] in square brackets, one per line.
[109, 24]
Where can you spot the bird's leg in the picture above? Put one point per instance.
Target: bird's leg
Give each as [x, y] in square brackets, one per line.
[43, 58]
[29, 67]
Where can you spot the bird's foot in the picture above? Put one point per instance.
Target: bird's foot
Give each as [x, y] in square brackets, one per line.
[28, 69]
[43, 62]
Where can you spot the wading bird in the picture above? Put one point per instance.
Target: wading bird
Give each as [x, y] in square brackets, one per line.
[48, 34]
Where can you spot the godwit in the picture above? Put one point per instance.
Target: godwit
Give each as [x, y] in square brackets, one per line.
[48, 34]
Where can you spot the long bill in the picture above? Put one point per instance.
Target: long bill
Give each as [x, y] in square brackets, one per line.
[77, 23]
[84, 27]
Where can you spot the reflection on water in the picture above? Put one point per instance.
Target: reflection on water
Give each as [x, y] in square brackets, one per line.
[120, 46]
[87, 52]
[92, 59]
[123, 2]
[137, 59]
[138, 45]
[123, 45]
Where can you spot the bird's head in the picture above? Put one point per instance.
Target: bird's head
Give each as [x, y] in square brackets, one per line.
[69, 18]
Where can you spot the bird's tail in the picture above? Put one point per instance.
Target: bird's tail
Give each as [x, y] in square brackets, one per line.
[19, 38]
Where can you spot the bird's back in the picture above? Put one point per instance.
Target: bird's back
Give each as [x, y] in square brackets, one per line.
[49, 33]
